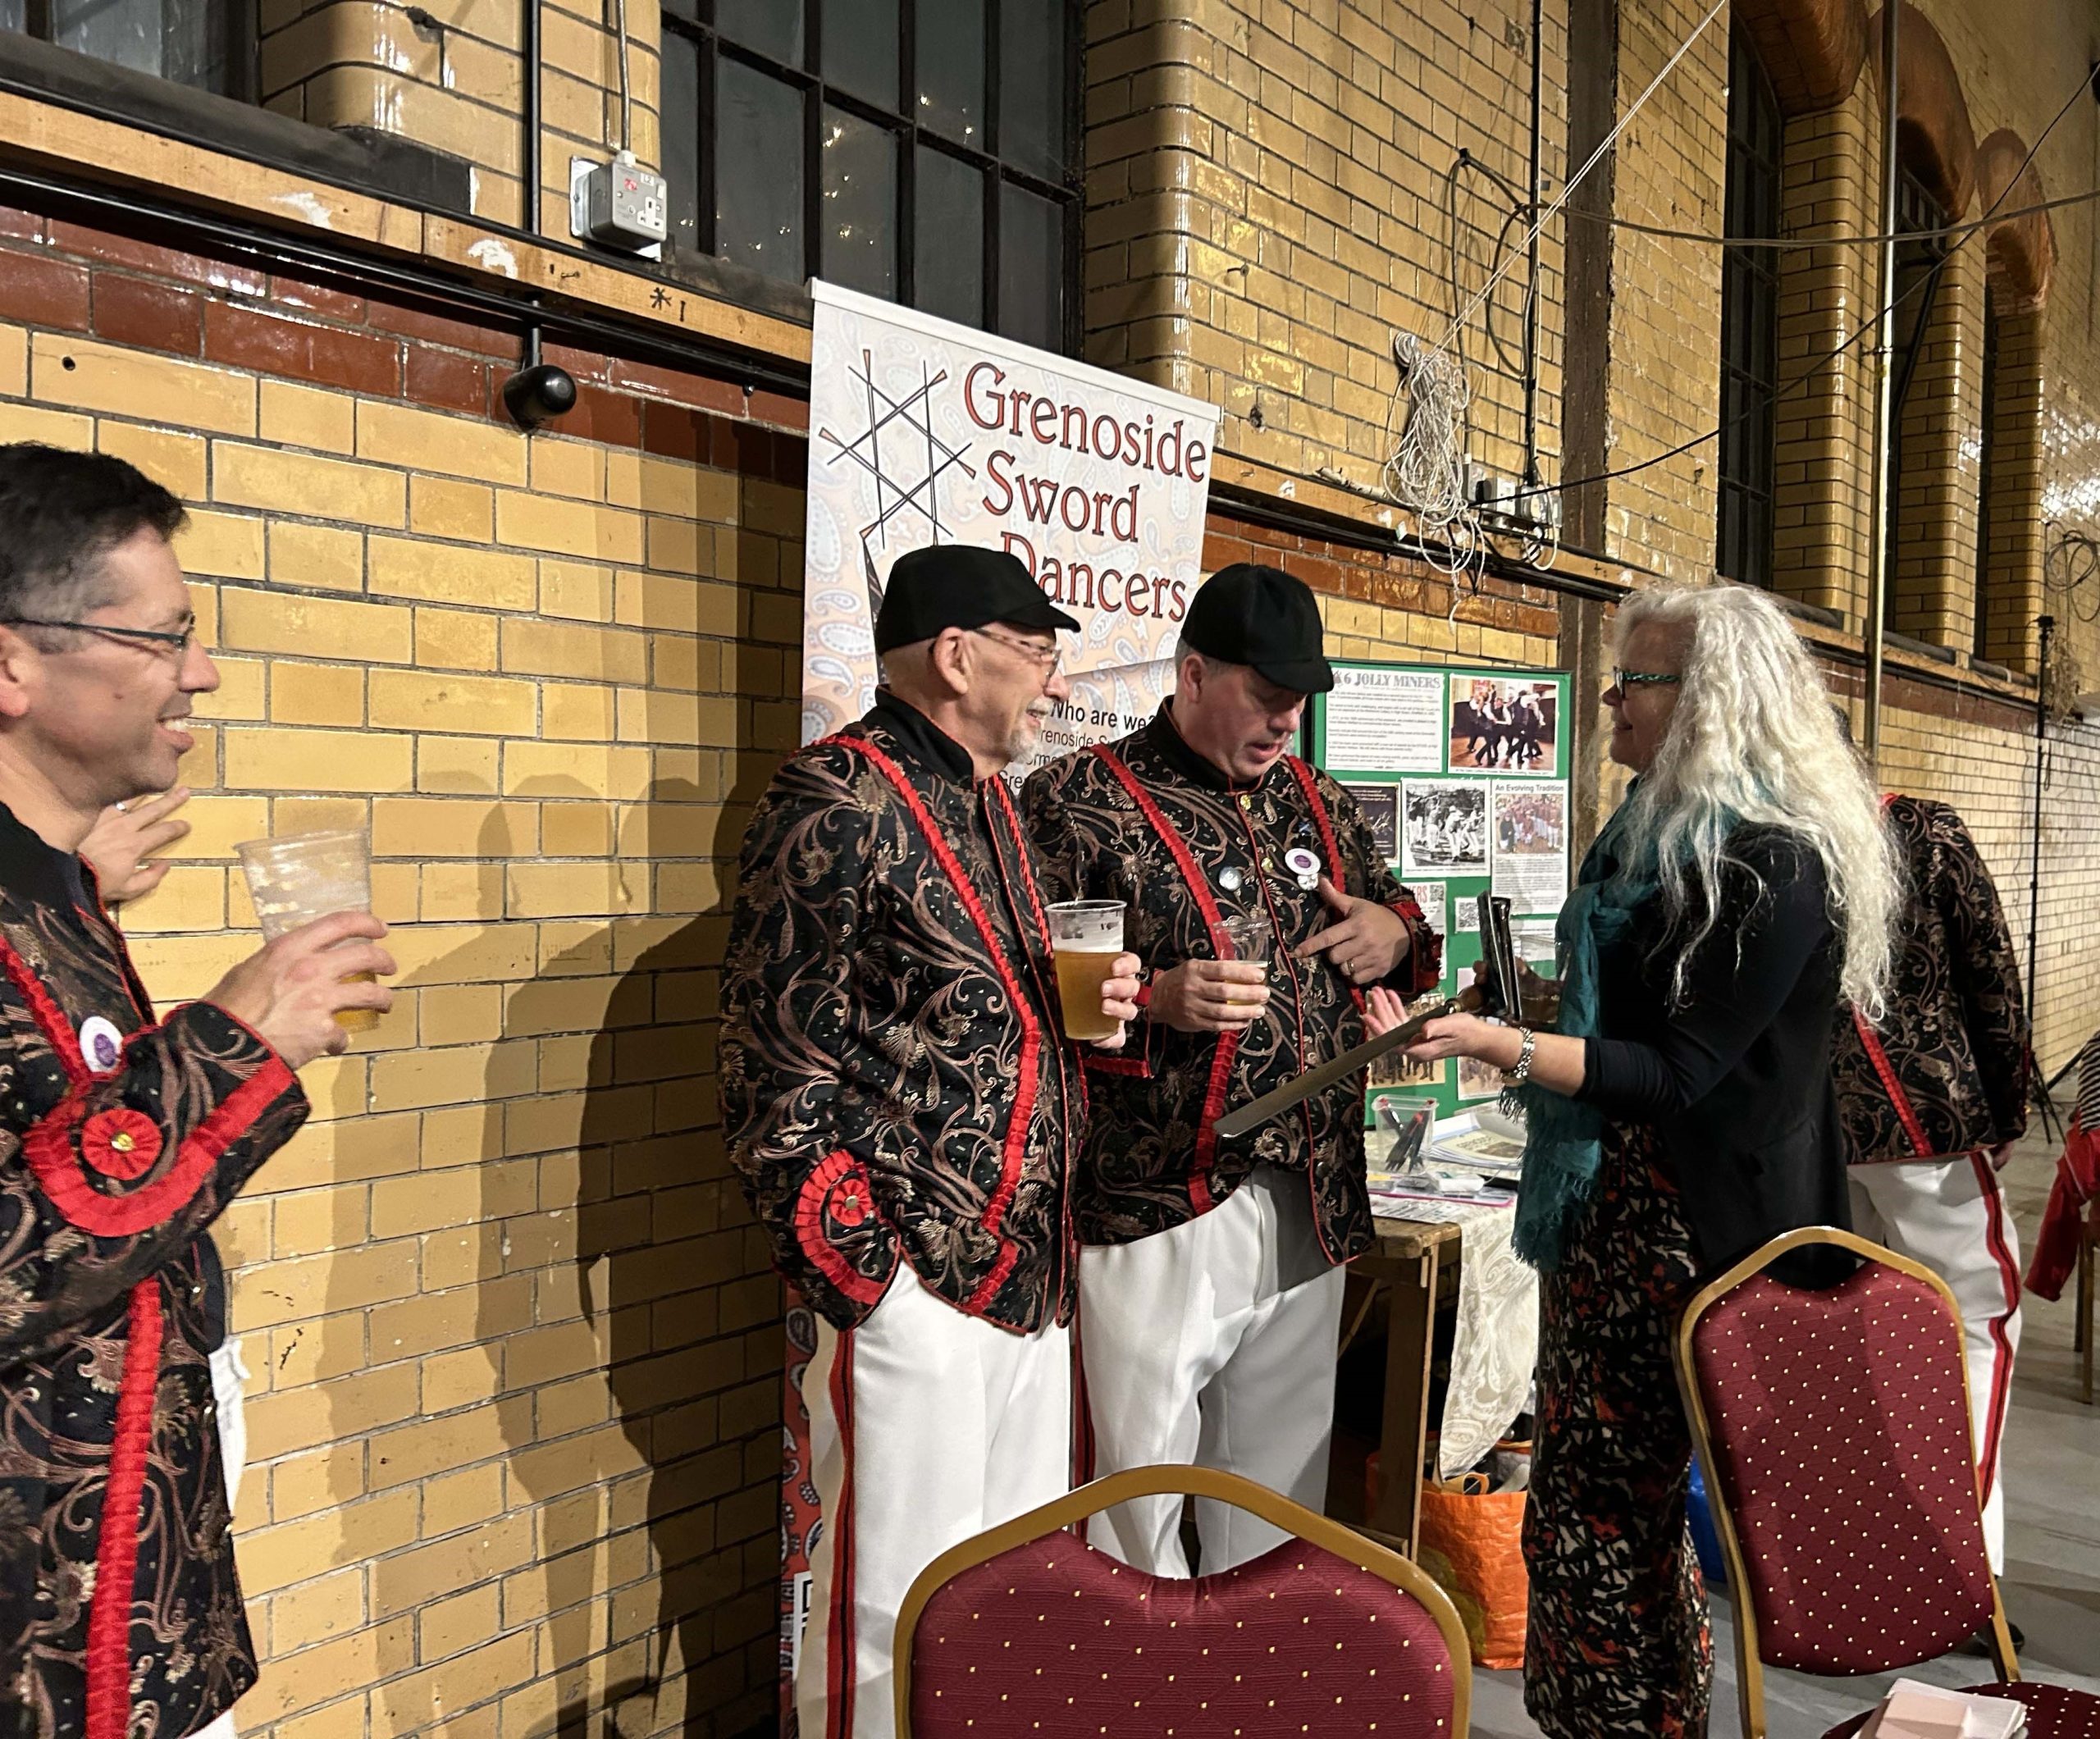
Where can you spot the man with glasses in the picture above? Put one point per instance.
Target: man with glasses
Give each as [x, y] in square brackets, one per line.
[904, 1112]
[1210, 1275]
[121, 1137]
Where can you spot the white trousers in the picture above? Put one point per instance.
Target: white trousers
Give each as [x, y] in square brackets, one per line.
[926, 1427]
[228, 1372]
[1212, 1342]
[1948, 1215]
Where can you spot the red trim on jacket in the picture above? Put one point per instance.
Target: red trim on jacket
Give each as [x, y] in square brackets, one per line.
[841, 1671]
[49, 1144]
[1994, 1238]
[117, 1552]
[1913, 1129]
[833, 1169]
[1015, 1149]
[1199, 889]
[1306, 782]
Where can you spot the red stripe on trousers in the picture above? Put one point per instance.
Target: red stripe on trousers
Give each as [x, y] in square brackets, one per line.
[116, 1553]
[1986, 1454]
[840, 1664]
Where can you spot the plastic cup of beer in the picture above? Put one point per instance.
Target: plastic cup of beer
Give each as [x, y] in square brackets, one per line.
[1086, 936]
[305, 876]
[1246, 939]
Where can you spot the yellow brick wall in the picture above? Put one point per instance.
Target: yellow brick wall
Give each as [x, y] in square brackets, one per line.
[514, 1352]
[1266, 209]
[455, 83]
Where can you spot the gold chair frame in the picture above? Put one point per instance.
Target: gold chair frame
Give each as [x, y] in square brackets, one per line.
[1188, 1481]
[1749, 1669]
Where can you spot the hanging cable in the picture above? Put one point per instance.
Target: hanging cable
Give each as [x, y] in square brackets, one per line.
[1818, 364]
[1802, 245]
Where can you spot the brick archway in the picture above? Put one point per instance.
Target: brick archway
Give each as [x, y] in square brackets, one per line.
[1812, 50]
[1934, 134]
[2022, 250]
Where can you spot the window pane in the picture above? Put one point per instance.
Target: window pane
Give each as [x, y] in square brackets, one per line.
[768, 27]
[1032, 86]
[948, 256]
[859, 239]
[681, 131]
[950, 40]
[758, 171]
[860, 49]
[1031, 268]
[13, 15]
[127, 33]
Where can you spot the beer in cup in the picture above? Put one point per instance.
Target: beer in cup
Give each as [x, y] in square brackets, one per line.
[305, 876]
[1246, 939]
[1086, 936]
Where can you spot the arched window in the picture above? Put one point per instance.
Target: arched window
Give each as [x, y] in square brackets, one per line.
[1989, 454]
[1750, 321]
[1912, 396]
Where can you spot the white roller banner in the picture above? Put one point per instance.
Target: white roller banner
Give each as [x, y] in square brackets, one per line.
[923, 431]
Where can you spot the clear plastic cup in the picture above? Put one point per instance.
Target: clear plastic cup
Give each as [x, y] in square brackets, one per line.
[1246, 939]
[305, 876]
[1085, 936]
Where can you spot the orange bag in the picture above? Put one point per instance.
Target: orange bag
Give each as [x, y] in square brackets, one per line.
[1471, 1541]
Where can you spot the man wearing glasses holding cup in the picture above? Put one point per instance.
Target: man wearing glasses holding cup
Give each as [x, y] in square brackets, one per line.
[905, 1110]
[1210, 1278]
[121, 1137]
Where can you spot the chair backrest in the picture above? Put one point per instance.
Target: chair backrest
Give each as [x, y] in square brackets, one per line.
[1834, 1425]
[1028, 1629]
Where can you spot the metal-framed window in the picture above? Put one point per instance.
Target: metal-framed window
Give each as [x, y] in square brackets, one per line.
[1917, 262]
[920, 150]
[207, 44]
[1749, 321]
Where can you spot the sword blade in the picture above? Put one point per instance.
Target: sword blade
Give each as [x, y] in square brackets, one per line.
[1258, 1112]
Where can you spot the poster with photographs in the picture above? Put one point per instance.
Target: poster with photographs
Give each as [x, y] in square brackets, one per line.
[1530, 844]
[1478, 1080]
[1380, 806]
[1443, 827]
[1505, 725]
[1462, 774]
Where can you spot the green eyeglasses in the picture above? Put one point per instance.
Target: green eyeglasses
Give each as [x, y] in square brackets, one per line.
[1623, 680]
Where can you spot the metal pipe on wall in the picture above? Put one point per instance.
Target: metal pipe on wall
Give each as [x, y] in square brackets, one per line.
[1878, 516]
[529, 213]
[2046, 625]
[1532, 222]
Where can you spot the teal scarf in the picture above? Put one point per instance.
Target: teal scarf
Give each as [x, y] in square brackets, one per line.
[1563, 1144]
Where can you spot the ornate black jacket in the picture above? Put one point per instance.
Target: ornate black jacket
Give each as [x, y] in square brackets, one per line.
[1149, 821]
[895, 1084]
[1945, 1071]
[121, 1140]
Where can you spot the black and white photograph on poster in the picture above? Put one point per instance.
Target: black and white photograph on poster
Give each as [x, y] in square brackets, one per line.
[1537, 945]
[1530, 844]
[1380, 806]
[1396, 1069]
[1387, 721]
[1443, 827]
[1478, 1080]
[1504, 725]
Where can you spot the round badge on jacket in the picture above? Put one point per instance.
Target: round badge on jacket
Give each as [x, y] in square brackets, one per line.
[102, 1046]
[1304, 866]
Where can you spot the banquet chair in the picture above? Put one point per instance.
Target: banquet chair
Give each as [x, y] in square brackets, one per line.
[1028, 1629]
[1834, 1429]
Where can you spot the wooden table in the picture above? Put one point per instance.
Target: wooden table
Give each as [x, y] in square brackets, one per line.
[1404, 1267]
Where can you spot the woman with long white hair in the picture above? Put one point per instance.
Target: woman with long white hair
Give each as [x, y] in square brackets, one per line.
[1679, 1115]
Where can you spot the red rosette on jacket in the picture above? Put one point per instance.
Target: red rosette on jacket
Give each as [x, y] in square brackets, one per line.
[840, 1229]
[122, 1143]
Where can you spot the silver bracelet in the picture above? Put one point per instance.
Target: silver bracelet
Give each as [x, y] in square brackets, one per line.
[1522, 1073]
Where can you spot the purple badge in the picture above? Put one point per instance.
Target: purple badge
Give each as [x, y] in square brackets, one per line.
[101, 1044]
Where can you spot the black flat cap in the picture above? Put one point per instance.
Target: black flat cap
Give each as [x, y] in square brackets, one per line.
[959, 585]
[1250, 614]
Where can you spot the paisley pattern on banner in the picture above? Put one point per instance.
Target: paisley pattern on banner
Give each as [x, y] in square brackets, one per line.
[922, 431]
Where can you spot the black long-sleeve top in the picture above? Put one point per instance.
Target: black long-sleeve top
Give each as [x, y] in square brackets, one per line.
[1735, 1072]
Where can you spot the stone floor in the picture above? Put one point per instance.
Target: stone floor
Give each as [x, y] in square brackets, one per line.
[2052, 1584]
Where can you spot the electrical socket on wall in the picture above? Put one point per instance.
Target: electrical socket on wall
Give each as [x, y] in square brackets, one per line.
[618, 204]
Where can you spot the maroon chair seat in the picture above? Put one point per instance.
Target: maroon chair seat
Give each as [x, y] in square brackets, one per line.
[2053, 1712]
[1048, 1638]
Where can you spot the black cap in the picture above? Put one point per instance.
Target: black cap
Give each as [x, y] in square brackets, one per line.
[959, 585]
[1250, 614]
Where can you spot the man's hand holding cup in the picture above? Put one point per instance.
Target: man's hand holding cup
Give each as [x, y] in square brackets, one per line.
[290, 992]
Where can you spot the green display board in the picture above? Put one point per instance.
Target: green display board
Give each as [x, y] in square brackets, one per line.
[1463, 774]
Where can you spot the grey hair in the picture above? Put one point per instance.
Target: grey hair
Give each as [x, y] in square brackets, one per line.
[1753, 740]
